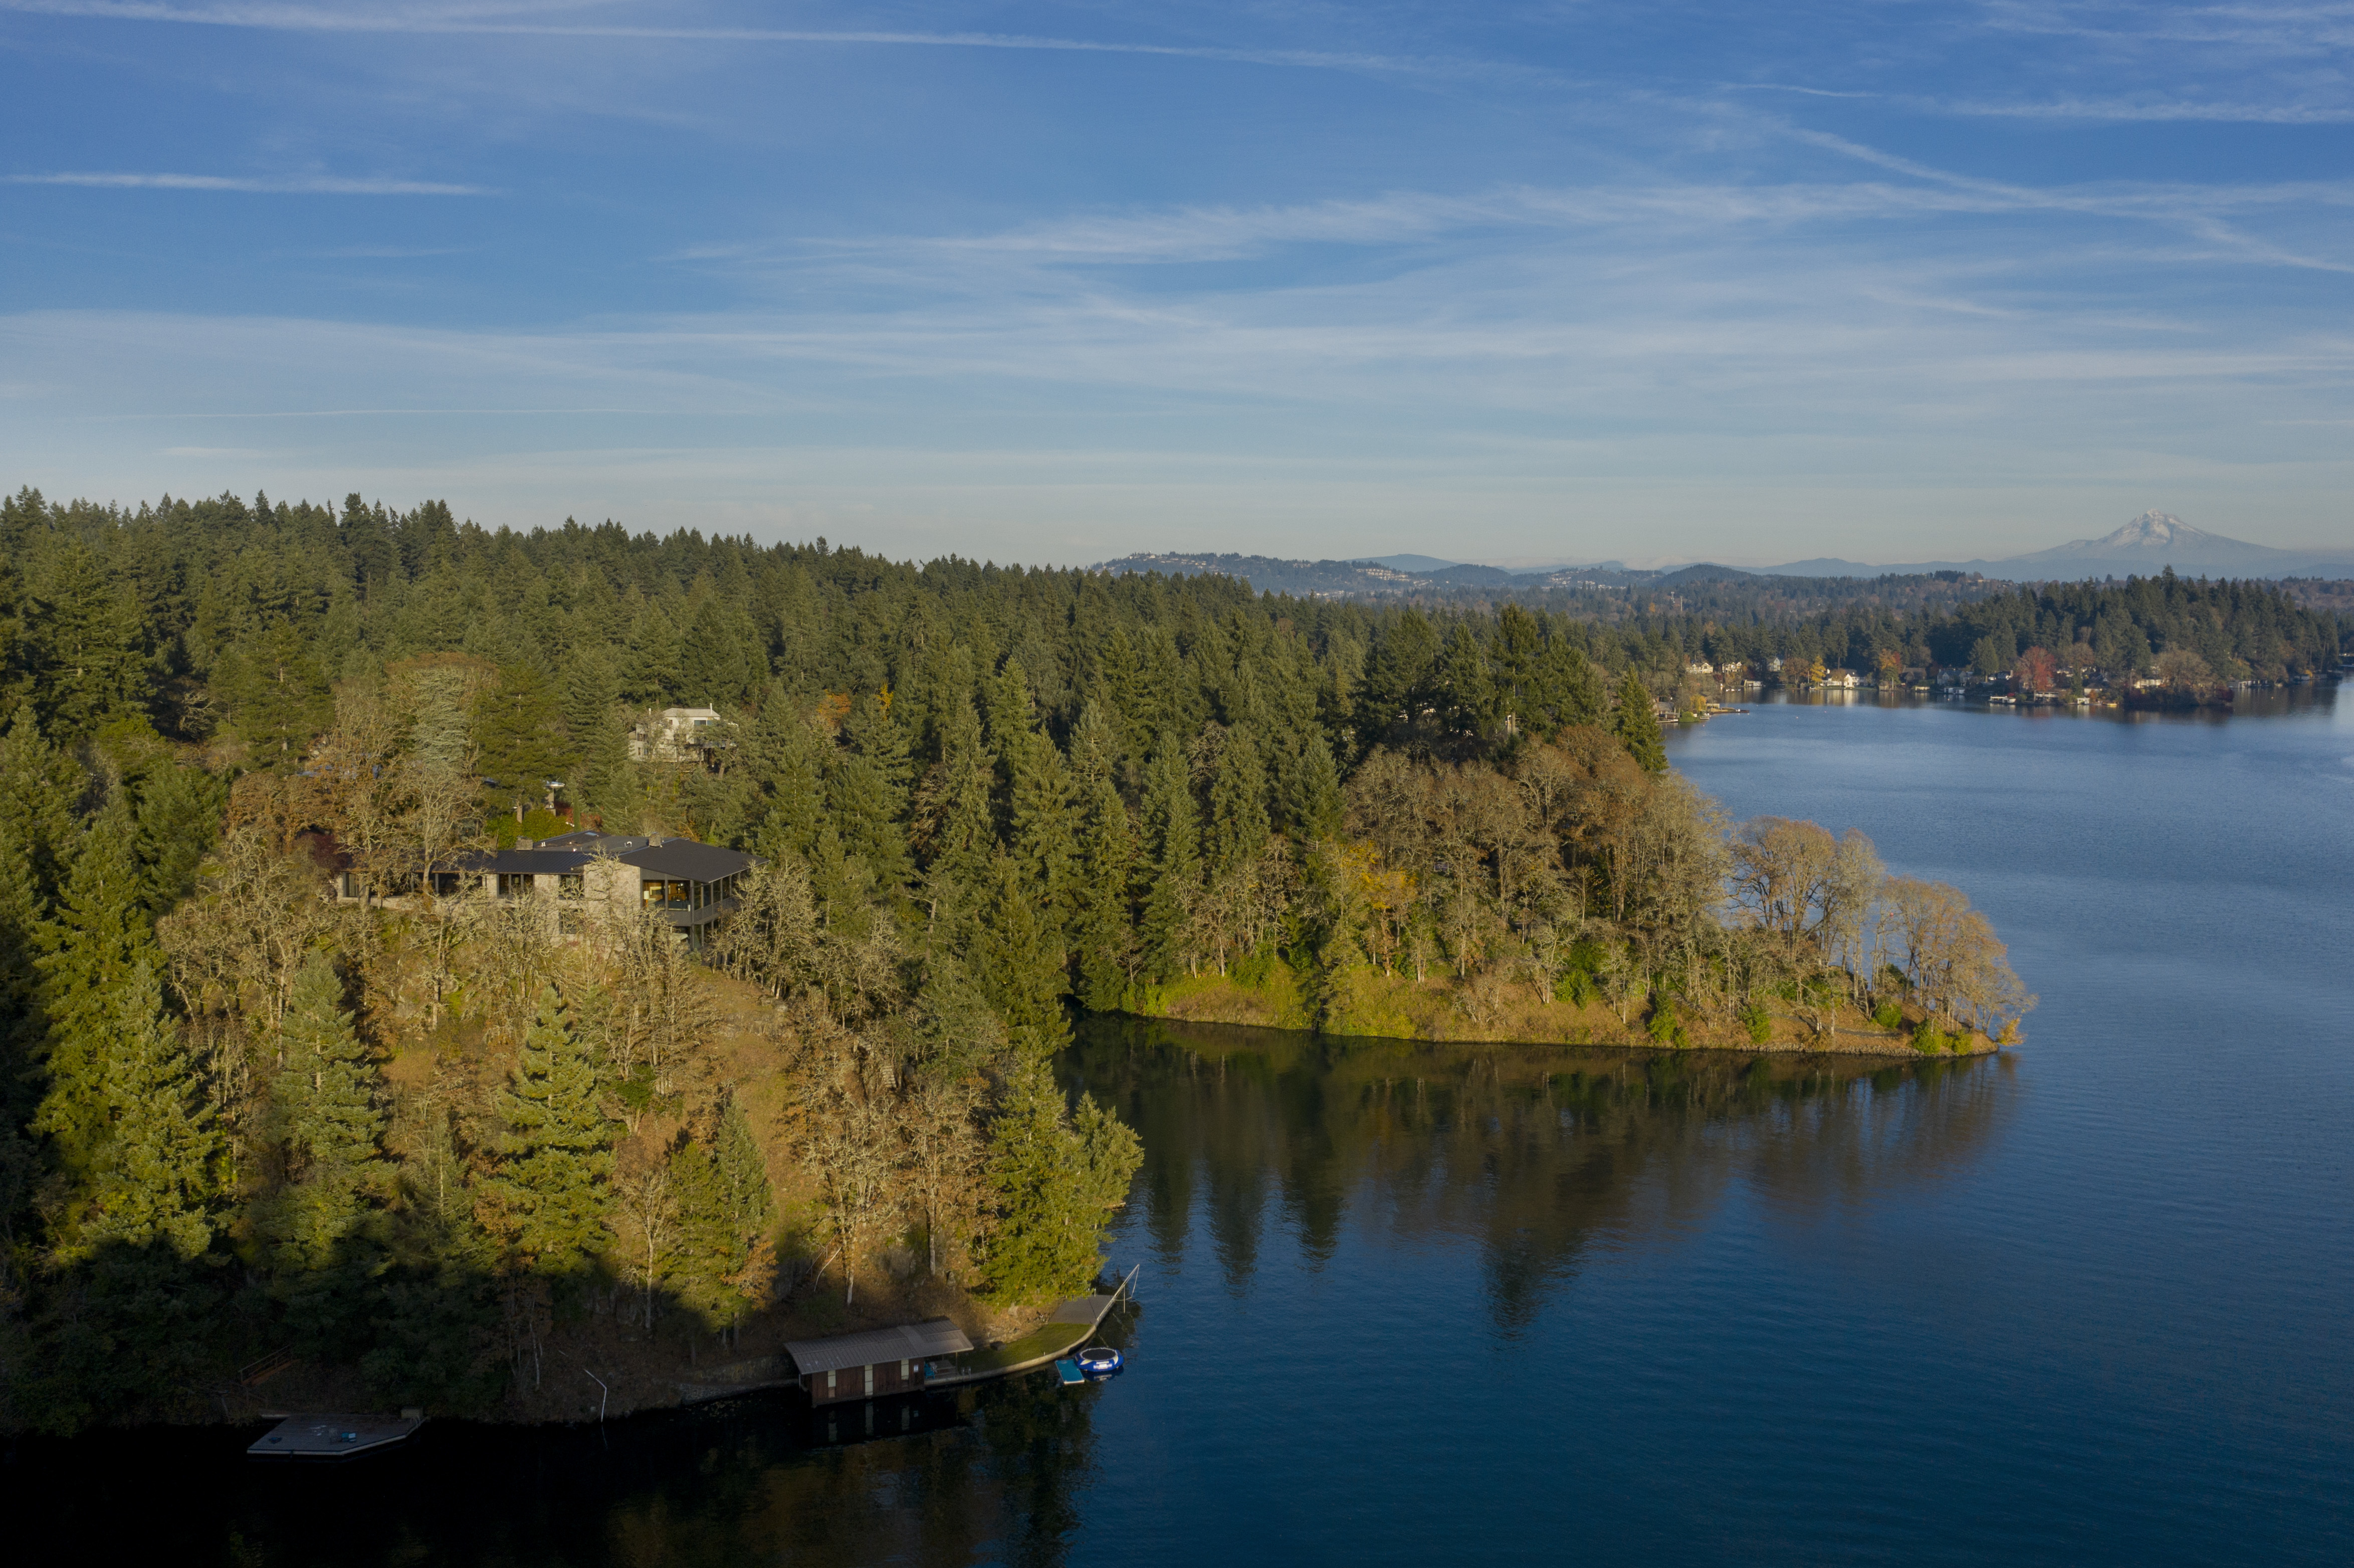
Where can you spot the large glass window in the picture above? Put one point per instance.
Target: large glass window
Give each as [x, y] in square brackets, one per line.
[515, 885]
[572, 887]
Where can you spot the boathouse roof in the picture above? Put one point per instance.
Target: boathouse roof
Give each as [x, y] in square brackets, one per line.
[909, 1342]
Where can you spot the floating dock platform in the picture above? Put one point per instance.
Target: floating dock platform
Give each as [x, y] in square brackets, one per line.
[334, 1436]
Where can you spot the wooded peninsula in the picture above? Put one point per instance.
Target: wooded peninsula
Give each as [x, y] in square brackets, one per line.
[307, 1063]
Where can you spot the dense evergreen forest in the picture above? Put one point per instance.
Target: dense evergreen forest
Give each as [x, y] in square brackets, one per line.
[415, 1138]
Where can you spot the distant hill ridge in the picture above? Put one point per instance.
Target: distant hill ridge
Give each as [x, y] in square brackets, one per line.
[2143, 547]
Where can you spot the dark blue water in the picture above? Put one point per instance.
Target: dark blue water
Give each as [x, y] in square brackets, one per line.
[2088, 1301]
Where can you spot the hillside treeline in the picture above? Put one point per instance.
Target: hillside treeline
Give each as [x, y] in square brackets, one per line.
[426, 1140]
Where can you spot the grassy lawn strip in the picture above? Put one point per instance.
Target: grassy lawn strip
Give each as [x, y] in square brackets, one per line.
[1052, 1339]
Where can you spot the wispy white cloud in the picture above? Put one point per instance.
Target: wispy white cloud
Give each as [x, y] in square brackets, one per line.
[278, 185]
[522, 21]
[2144, 111]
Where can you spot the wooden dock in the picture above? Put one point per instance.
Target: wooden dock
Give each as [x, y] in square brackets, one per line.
[1068, 1327]
[317, 1437]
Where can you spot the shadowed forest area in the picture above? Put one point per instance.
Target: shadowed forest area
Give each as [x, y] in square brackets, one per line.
[281, 1094]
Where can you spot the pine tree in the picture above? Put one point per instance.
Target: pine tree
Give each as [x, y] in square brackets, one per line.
[517, 727]
[1574, 688]
[1637, 727]
[786, 760]
[325, 1228]
[725, 1207]
[152, 1174]
[99, 940]
[1018, 961]
[84, 643]
[867, 793]
[1173, 831]
[552, 1188]
[1470, 688]
[715, 668]
[1100, 932]
[179, 818]
[650, 676]
[284, 701]
[1516, 657]
[1308, 788]
[1238, 824]
[39, 786]
[1045, 844]
[133, 1306]
[1397, 676]
[1050, 1186]
[598, 753]
[959, 806]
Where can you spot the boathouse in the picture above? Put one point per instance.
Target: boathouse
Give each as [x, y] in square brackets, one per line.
[876, 1363]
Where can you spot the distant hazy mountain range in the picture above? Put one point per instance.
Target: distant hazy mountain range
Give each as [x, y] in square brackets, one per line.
[1384, 578]
[2143, 547]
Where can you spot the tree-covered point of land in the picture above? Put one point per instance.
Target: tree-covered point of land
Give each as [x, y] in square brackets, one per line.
[424, 1139]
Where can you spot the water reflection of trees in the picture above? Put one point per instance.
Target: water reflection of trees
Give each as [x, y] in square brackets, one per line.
[1538, 1154]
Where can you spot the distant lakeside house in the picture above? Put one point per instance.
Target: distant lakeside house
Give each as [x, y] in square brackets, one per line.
[690, 886]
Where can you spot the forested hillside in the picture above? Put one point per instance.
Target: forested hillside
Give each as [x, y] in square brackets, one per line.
[418, 1140]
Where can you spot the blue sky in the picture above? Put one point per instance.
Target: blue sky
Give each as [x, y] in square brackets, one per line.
[1056, 282]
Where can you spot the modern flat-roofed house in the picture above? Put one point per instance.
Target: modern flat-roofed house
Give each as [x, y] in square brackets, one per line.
[676, 734]
[877, 1362]
[690, 886]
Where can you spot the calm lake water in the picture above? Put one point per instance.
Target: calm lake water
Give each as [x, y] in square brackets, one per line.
[2089, 1300]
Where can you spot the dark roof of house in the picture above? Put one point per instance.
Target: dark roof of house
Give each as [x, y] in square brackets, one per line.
[686, 859]
[680, 858]
[909, 1342]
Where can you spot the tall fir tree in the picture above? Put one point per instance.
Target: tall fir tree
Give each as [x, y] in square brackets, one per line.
[283, 700]
[1471, 687]
[1174, 869]
[85, 643]
[179, 818]
[959, 811]
[867, 793]
[1046, 843]
[650, 673]
[101, 938]
[1019, 962]
[786, 760]
[325, 1227]
[552, 1188]
[518, 730]
[596, 746]
[1637, 727]
[38, 785]
[132, 1311]
[1100, 932]
[1238, 826]
[725, 1207]
[1051, 1187]
[1571, 683]
[1398, 679]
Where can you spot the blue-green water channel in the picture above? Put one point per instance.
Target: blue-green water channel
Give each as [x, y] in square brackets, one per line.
[2091, 1300]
